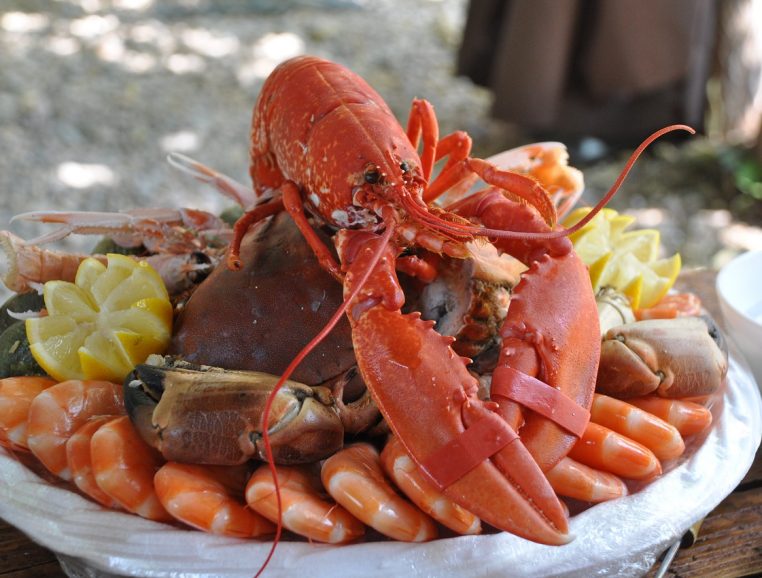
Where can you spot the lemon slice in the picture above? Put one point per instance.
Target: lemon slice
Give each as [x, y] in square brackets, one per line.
[663, 274]
[99, 327]
[625, 260]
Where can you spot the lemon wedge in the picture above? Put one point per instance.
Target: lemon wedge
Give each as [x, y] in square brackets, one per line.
[99, 327]
[625, 260]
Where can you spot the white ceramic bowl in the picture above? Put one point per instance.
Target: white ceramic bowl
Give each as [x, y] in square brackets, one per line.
[739, 287]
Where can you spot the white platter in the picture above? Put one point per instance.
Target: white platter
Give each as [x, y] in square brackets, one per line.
[621, 538]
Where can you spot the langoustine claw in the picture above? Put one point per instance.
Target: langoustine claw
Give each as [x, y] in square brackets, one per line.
[674, 358]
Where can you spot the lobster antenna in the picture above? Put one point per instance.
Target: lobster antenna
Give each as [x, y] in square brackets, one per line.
[460, 229]
[290, 370]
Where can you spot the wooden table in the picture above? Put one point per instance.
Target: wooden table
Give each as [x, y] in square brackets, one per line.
[729, 543]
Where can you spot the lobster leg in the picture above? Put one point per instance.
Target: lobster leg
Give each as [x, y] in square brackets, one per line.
[242, 225]
[423, 123]
[292, 200]
[551, 342]
[421, 385]
[457, 146]
[518, 186]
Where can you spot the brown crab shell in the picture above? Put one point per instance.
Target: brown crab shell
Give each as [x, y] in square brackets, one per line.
[260, 317]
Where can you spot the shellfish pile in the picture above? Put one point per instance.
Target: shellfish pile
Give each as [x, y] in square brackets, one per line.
[477, 382]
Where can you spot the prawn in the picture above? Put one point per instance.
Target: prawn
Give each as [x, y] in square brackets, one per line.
[60, 410]
[79, 459]
[354, 478]
[572, 479]
[305, 512]
[688, 417]
[653, 432]
[409, 478]
[210, 498]
[16, 395]
[124, 467]
[604, 449]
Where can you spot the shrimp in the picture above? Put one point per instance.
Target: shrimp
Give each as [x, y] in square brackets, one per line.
[60, 410]
[408, 478]
[575, 480]
[653, 432]
[689, 418]
[124, 467]
[210, 498]
[16, 395]
[80, 463]
[305, 512]
[606, 450]
[672, 306]
[354, 478]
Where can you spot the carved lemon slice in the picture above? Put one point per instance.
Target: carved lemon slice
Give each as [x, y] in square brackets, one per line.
[99, 327]
[625, 260]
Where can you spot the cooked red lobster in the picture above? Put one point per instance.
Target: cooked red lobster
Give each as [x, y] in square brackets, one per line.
[324, 142]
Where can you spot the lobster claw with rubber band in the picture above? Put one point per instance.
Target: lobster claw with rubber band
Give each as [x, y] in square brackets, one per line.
[325, 145]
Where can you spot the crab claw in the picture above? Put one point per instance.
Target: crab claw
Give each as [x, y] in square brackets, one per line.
[673, 358]
[458, 441]
[207, 415]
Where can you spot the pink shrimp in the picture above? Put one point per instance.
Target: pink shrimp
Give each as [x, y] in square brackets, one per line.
[408, 478]
[642, 426]
[575, 480]
[305, 512]
[16, 395]
[60, 410]
[124, 467]
[354, 478]
[210, 498]
[80, 463]
[689, 418]
[606, 450]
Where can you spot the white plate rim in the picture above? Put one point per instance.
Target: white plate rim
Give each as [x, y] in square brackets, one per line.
[622, 537]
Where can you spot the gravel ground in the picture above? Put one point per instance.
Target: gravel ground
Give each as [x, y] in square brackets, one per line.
[94, 93]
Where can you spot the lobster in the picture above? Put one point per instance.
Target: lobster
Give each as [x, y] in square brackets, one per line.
[324, 142]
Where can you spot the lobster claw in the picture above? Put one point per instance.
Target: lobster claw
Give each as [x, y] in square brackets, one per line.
[452, 436]
[545, 378]
[680, 357]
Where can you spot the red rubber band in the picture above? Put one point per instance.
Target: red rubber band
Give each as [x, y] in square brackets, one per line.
[456, 458]
[541, 398]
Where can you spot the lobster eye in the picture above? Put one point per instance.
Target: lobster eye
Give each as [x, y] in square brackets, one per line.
[372, 176]
[404, 166]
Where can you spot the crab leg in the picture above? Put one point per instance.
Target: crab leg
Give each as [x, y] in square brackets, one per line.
[404, 361]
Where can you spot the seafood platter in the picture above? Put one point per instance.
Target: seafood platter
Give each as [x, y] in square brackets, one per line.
[390, 357]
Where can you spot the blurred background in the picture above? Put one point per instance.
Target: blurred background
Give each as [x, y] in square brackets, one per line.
[94, 93]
